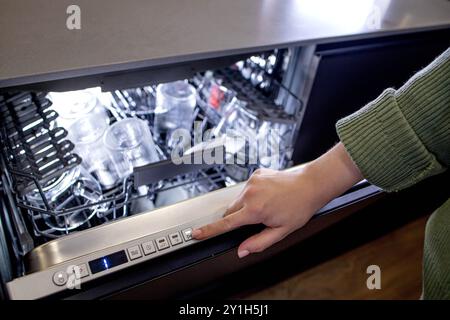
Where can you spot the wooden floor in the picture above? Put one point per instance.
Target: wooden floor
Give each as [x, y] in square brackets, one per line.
[399, 255]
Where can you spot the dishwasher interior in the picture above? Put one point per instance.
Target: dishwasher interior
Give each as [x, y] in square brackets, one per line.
[69, 158]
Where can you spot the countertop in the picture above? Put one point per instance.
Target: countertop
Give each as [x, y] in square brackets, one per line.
[36, 45]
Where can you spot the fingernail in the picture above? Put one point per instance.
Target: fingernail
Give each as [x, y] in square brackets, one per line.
[243, 253]
[196, 233]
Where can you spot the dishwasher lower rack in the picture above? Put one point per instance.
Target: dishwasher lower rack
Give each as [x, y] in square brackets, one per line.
[124, 200]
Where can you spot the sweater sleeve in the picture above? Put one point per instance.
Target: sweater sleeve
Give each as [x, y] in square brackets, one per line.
[403, 136]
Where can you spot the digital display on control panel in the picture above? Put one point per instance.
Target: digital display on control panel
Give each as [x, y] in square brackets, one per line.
[108, 262]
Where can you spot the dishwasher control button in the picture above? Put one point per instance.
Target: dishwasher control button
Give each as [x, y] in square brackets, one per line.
[187, 234]
[162, 243]
[84, 272]
[175, 238]
[148, 247]
[134, 252]
[60, 278]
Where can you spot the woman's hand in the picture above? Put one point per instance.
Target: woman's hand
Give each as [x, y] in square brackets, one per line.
[282, 201]
[285, 201]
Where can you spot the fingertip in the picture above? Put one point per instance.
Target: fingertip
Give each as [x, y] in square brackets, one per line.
[197, 233]
[243, 253]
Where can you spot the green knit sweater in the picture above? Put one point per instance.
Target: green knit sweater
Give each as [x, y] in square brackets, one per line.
[402, 137]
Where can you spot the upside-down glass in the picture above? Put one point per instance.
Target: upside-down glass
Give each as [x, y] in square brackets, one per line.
[214, 98]
[214, 95]
[110, 167]
[132, 138]
[72, 105]
[73, 188]
[240, 126]
[175, 104]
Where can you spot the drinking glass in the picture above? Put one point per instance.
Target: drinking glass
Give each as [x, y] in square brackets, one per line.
[213, 94]
[73, 188]
[175, 103]
[72, 105]
[132, 138]
[110, 167]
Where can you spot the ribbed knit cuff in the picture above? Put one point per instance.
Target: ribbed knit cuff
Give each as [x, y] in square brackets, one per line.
[384, 146]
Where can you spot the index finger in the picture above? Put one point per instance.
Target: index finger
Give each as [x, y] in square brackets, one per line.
[228, 223]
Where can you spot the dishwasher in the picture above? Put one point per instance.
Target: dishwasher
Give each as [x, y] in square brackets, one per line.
[71, 228]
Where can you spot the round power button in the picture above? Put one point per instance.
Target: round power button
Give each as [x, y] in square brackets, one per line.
[60, 278]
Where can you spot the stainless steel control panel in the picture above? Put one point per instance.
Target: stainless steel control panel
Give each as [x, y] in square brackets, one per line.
[83, 270]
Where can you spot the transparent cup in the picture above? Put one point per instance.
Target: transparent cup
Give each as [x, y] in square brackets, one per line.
[213, 94]
[175, 104]
[240, 127]
[74, 188]
[214, 99]
[73, 105]
[110, 167]
[132, 138]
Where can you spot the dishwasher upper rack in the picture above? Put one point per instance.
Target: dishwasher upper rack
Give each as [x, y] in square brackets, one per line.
[257, 82]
